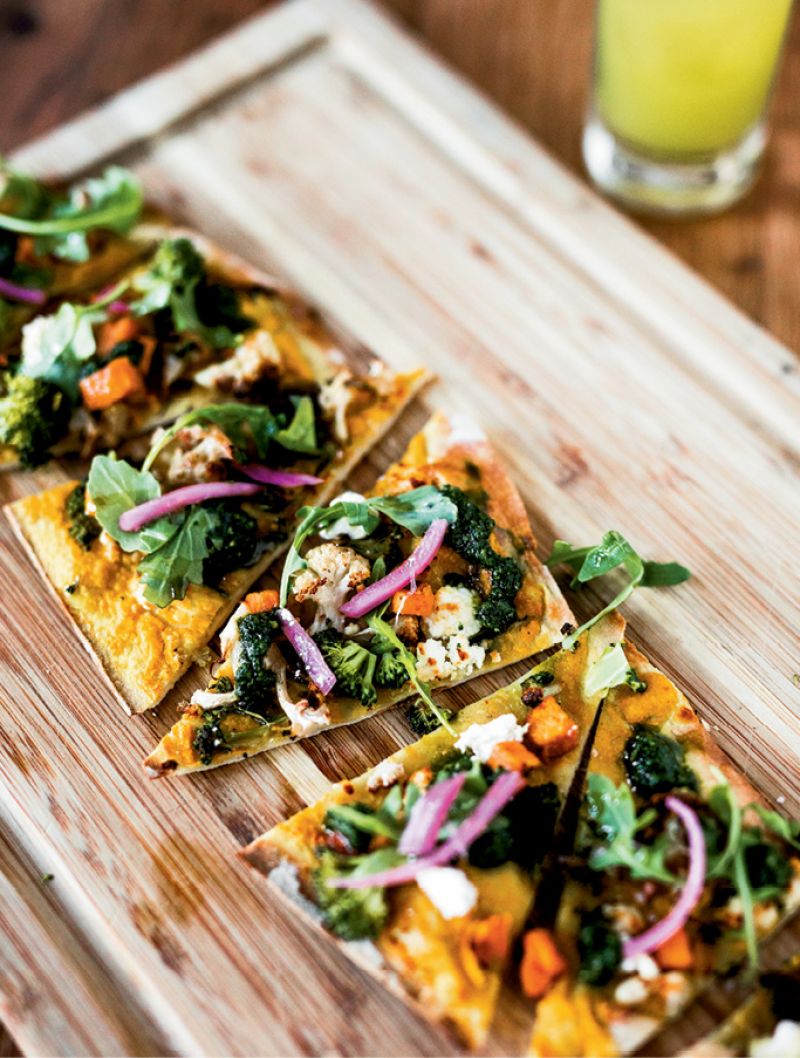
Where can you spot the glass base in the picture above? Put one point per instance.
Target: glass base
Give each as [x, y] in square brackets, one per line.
[647, 185]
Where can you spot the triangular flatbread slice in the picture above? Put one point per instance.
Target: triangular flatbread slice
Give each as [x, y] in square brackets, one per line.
[651, 747]
[766, 1025]
[442, 943]
[484, 602]
[294, 363]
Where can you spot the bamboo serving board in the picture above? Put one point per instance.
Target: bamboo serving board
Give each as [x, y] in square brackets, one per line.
[320, 142]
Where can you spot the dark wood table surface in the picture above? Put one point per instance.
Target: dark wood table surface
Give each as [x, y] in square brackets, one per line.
[531, 56]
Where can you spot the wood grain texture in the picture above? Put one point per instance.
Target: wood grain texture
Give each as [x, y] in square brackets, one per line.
[531, 58]
[620, 390]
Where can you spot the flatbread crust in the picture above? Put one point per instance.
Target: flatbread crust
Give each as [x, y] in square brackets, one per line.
[141, 650]
[448, 450]
[574, 1019]
[417, 955]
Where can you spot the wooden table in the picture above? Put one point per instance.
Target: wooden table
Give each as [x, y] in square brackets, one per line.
[531, 57]
[59, 57]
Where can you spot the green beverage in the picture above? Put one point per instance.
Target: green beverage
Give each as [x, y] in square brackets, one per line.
[682, 82]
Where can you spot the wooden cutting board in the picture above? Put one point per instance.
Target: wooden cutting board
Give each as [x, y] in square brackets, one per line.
[319, 141]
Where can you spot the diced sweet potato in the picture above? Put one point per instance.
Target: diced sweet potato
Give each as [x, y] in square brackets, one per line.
[491, 938]
[116, 381]
[675, 953]
[541, 964]
[417, 603]
[551, 731]
[513, 756]
[123, 329]
[260, 601]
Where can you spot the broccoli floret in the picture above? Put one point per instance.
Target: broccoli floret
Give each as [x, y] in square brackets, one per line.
[470, 535]
[422, 721]
[352, 914]
[655, 763]
[255, 685]
[83, 528]
[353, 665]
[34, 414]
[391, 672]
[209, 738]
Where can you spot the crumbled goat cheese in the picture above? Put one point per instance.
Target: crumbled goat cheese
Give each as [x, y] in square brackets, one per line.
[453, 612]
[331, 574]
[437, 660]
[643, 965]
[631, 991]
[449, 890]
[341, 527]
[461, 429]
[384, 775]
[256, 358]
[480, 739]
[783, 1043]
[334, 398]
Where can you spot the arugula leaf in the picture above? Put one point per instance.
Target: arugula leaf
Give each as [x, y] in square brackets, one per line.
[57, 348]
[414, 510]
[612, 816]
[241, 424]
[114, 487]
[301, 433]
[112, 202]
[609, 670]
[614, 551]
[786, 829]
[172, 283]
[168, 571]
[726, 807]
[380, 823]
[382, 628]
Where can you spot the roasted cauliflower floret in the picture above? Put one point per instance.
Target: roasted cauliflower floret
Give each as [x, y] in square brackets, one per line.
[332, 573]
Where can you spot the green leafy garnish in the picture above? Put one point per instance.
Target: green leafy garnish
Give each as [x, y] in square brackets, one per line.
[173, 281]
[115, 487]
[613, 819]
[788, 830]
[111, 202]
[414, 510]
[409, 662]
[242, 424]
[609, 670]
[301, 433]
[588, 563]
[58, 348]
[168, 571]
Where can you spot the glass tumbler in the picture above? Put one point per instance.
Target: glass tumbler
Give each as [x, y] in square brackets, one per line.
[676, 123]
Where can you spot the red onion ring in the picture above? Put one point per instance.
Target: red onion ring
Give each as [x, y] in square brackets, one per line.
[502, 790]
[284, 478]
[691, 892]
[418, 561]
[307, 650]
[428, 815]
[32, 295]
[132, 521]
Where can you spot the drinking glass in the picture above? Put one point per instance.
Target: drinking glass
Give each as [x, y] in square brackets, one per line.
[676, 122]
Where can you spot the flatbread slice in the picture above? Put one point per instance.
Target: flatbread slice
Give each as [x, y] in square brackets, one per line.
[442, 944]
[766, 1025]
[143, 648]
[449, 457]
[226, 330]
[649, 745]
